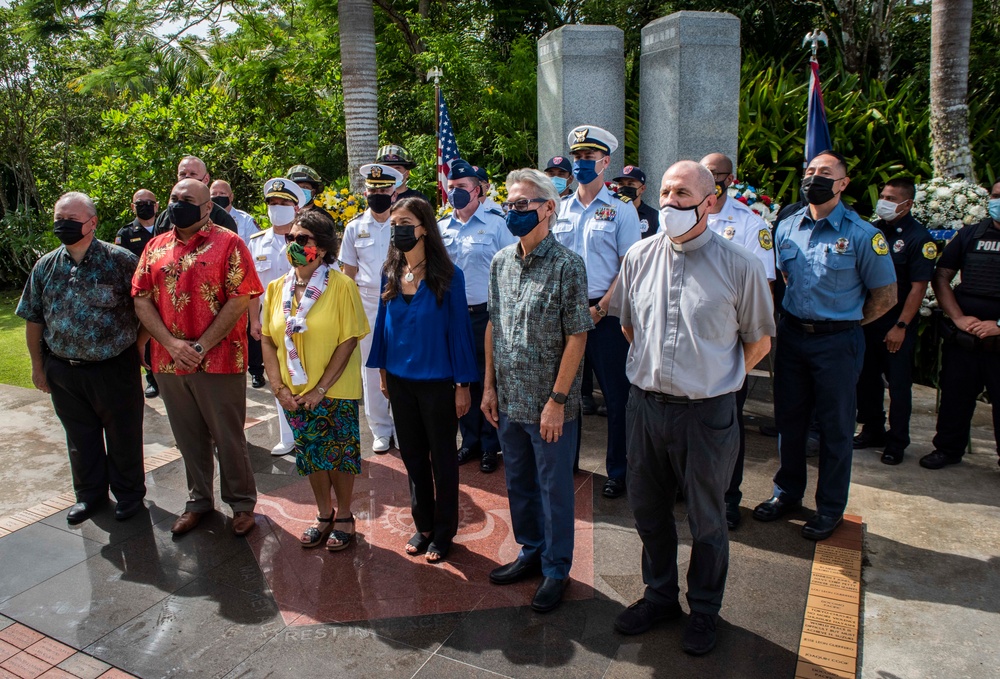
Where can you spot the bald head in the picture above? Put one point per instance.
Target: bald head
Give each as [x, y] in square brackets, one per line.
[193, 167]
[143, 194]
[718, 163]
[220, 187]
[689, 180]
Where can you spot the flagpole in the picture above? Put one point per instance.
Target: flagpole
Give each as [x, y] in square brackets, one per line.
[813, 38]
[436, 74]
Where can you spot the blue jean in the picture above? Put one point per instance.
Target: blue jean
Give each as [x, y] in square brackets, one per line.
[541, 494]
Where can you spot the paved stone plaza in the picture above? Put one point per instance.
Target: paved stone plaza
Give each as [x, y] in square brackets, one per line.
[130, 596]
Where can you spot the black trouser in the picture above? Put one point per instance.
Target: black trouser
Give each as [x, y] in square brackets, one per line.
[964, 373]
[100, 407]
[691, 446]
[150, 378]
[734, 494]
[898, 369]
[425, 420]
[587, 383]
[255, 355]
[478, 434]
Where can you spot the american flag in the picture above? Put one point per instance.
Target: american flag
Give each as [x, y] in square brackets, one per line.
[447, 148]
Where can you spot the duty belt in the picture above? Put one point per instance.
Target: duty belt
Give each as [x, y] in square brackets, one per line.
[819, 327]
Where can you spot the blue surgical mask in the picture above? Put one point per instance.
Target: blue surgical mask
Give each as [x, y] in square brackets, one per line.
[994, 208]
[459, 198]
[560, 183]
[309, 195]
[584, 171]
[521, 223]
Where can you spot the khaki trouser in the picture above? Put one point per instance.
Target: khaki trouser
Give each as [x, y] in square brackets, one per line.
[205, 411]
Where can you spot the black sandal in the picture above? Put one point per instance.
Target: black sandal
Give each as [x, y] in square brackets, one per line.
[314, 535]
[419, 542]
[437, 553]
[343, 539]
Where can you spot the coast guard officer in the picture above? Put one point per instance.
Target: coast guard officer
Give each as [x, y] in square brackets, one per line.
[631, 185]
[839, 276]
[601, 228]
[473, 233]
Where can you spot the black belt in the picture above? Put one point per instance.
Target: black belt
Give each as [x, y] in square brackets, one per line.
[72, 361]
[593, 302]
[476, 308]
[660, 397]
[819, 327]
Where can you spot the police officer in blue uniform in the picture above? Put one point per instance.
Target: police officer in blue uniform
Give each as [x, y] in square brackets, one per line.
[839, 276]
[631, 185]
[891, 340]
[473, 234]
[970, 356]
[599, 227]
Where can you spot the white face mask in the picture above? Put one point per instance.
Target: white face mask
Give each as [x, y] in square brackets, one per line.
[280, 214]
[886, 210]
[677, 221]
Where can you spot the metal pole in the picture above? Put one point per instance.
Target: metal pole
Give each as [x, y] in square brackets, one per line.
[436, 74]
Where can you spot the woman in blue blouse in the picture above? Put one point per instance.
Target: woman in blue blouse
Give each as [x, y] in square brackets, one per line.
[422, 345]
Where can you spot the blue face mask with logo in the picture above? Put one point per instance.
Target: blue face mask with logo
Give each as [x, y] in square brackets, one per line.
[994, 209]
[560, 183]
[520, 224]
[584, 171]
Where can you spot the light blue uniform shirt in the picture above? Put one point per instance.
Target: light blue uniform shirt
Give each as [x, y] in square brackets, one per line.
[831, 264]
[472, 247]
[601, 233]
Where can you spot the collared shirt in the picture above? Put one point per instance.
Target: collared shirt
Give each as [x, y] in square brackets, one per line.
[134, 236]
[423, 340]
[649, 219]
[190, 283]
[365, 246]
[473, 245]
[831, 264]
[269, 252]
[217, 216]
[86, 309]
[601, 233]
[913, 253]
[738, 223]
[536, 301]
[245, 224]
[691, 307]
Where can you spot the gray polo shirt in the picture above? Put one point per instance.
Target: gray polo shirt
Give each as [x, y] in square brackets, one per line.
[691, 307]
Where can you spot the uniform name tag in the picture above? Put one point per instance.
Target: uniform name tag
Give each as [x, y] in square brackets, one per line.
[364, 234]
[261, 258]
[134, 240]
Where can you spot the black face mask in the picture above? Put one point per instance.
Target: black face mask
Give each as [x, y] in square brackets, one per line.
[68, 231]
[145, 210]
[628, 192]
[818, 190]
[183, 215]
[379, 202]
[402, 237]
[221, 201]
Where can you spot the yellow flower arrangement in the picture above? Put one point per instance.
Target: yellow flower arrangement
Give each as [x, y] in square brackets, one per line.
[342, 205]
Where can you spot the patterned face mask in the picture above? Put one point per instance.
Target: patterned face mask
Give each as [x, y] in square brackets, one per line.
[299, 255]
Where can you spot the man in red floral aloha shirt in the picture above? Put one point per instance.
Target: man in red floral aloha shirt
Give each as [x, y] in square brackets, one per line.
[192, 289]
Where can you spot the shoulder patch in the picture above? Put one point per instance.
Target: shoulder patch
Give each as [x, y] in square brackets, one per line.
[496, 211]
[258, 234]
[879, 245]
[930, 250]
[764, 238]
[356, 217]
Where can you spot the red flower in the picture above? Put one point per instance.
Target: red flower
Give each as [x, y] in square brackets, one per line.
[743, 200]
[766, 200]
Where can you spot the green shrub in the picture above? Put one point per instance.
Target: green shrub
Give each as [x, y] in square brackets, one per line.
[24, 237]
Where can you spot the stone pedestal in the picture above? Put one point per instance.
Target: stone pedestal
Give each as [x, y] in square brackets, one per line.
[581, 81]
[689, 90]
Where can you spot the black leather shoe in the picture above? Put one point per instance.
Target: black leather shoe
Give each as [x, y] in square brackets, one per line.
[515, 571]
[602, 410]
[257, 381]
[126, 509]
[82, 511]
[643, 614]
[489, 463]
[768, 430]
[588, 405]
[549, 594]
[151, 391]
[869, 438]
[821, 526]
[775, 508]
[699, 635]
[733, 515]
[466, 455]
[613, 488]
[939, 459]
[892, 456]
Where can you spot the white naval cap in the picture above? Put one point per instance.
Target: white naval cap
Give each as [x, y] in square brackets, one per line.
[282, 187]
[591, 137]
[376, 174]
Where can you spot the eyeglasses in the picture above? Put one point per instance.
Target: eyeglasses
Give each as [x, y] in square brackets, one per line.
[522, 205]
[302, 239]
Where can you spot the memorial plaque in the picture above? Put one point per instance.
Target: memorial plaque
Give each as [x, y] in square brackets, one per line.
[829, 645]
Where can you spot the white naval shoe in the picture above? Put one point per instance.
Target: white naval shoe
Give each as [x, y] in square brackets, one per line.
[282, 449]
[381, 445]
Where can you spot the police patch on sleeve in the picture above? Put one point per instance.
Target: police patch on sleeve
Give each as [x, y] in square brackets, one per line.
[930, 251]
[879, 245]
[764, 238]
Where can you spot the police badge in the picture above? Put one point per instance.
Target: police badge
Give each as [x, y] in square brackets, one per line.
[879, 245]
[930, 251]
[729, 232]
[840, 247]
[764, 238]
[898, 245]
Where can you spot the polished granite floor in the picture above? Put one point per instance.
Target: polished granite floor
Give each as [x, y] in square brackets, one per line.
[209, 604]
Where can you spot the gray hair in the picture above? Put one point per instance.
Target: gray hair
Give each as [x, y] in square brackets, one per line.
[544, 188]
[82, 198]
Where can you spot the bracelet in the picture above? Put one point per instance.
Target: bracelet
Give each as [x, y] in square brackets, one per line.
[278, 390]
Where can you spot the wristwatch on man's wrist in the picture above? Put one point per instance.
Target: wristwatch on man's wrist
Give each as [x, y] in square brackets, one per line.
[600, 312]
[901, 325]
[462, 384]
[558, 397]
[197, 347]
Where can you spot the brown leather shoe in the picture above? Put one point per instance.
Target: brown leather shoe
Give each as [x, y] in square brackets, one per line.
[243, 523]
[186, 522]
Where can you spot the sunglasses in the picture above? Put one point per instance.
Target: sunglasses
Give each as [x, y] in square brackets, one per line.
[302, 239]
[521, 205]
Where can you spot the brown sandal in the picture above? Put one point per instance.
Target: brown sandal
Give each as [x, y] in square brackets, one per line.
[343, 540]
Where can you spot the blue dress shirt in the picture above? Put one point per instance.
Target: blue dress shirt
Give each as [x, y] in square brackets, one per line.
[472, 247]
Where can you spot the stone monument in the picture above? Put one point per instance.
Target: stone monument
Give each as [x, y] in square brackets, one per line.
[689, 90]
[581, 80]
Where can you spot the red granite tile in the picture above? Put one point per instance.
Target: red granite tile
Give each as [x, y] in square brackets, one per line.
[50, 650]
[56, 673]
[115, 673]
[4, 674]
[20, 636]
[25, 665]
[7, 650]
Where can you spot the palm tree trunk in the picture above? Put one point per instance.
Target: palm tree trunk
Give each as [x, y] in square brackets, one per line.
[951, 27]
[359, 80]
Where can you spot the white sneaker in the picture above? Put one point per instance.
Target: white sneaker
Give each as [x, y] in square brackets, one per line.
[282, 449]
[381, 444]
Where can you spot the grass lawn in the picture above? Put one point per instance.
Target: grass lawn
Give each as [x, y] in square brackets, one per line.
[15, 366]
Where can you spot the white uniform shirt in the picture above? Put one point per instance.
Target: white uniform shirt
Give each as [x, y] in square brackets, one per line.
[269, 258]
[365, 246]
[245, 224]
[739, 224]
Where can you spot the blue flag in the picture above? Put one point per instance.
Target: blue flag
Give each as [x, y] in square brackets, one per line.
[817, 131]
